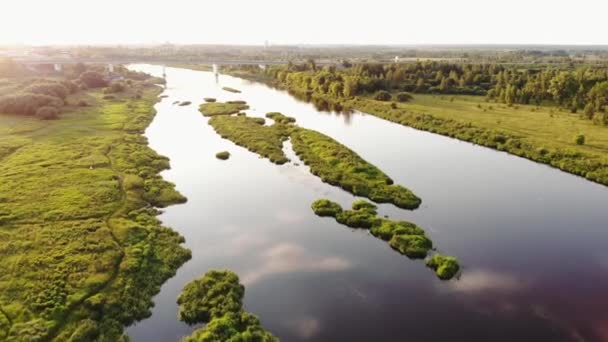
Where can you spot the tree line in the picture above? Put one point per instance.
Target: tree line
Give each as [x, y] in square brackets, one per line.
[582, 89]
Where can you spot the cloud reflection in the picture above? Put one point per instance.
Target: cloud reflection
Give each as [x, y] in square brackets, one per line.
[306, 327]
[486, 280]
[287, 258]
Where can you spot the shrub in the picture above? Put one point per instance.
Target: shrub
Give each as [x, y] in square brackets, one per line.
[209, 99]
[222, 155]
[109, 97]
[383, 95]
[212, 296]
[47, 113]
[185, 103]
[93, 79]
[579, 139]
[445, 267]
[403, 97]
[115, 87]
[27, 103]
[325, 207]
[83, 103]
[413, 246]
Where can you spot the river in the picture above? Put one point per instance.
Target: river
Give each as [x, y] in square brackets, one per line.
[532, 240]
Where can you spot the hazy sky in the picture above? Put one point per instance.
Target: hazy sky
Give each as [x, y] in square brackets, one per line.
[311, 21]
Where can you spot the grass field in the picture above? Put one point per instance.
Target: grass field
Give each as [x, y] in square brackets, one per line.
[81, 250]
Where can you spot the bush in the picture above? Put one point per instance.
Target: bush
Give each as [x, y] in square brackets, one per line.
[115, 87]
[222, 155]
[445, 267]
[27, 103]
[47, 113]
[209, 99]
[579, 139]
[325, 207]
[83, 103]
[93, 79]
[403, 97]
[185, 103]
[383, 95]
[414, 246]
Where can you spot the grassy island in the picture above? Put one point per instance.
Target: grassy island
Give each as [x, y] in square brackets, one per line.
[232, 90]
[81, 250]
[405, 237]
[267, 141]
[224, 155]
[209, 99]
[222, 108]
[336, 164]
[185, 103]
[217, 300]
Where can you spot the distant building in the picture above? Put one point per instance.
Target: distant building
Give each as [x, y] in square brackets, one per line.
[396, 59]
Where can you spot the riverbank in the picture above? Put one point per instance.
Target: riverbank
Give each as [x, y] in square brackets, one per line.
[82, 250]
[542, 134]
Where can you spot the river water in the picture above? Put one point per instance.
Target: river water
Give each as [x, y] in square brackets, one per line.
[532, 241]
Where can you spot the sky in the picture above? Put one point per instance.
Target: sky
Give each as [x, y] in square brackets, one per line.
[42, 22]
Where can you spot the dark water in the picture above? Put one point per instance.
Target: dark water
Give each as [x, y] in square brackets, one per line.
[533, 241]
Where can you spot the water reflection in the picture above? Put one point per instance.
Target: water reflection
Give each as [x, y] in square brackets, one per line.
[527, 276]
[288, 257]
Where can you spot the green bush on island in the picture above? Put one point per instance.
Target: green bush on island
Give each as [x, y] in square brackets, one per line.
[336, 164]
[237, 327]
[237, 102]
[325, 207]
[383, 95]
[212, 296]
[232, 90]
[446, 267]
[414, 246]
[222, 155]
[267, 141]
[185, 103]
[280, 118]
[403, 97]
[217, 300]
[222, 108]
[209, 99]
[405, 237]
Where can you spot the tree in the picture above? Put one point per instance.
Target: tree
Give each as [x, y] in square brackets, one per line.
[383, 95]
[93, 79]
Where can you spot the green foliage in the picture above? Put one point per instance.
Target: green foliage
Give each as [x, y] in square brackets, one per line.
[446, 267]
[335, 164]
[580, 139]
[81, 251]
[233, 327]
[404, 237]
[224, 155]
[216, 299]
[212, 296]
[185, 103]
[209, 99]
[266, 141]
[93, 79]
[383, 95]
[232, 90]
[403, 97]
[220, 108]
[280, 118]
[47, 113]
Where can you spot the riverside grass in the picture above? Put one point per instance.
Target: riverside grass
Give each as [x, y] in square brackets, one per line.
[539, 133]
[216, 299]
[82, 252]
[404, 237]
[222, 108]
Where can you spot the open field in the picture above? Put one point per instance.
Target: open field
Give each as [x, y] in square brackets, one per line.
[82, 251]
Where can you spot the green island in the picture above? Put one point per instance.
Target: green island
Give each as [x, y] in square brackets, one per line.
[209, 99]
[216, 299]
[535, 112]
[222, 108]
[337, 165]
[251, 133]
[224, 155]
[83, 258]
[329, 160]
[404, 237]
[185, 103]
[232, 90]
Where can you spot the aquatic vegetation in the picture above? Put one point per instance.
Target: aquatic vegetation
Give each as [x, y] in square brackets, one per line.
[232, 90]
[214, 295]
[222, 155]
[404, 237]
[446, 267]
[217, 300]
[267, 141]
[81, 250]
[209, 99]
[280, 118]
[185, 103]
[222, 108]
[336, 164]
